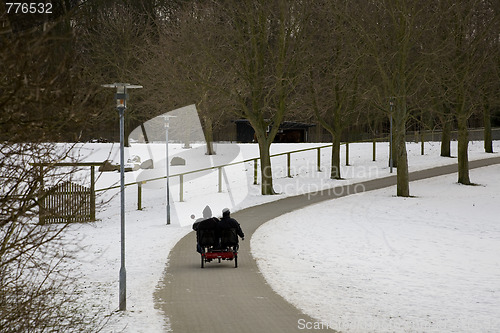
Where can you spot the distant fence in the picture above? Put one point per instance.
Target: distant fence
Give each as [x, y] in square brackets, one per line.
[475, 134]
[67, 202]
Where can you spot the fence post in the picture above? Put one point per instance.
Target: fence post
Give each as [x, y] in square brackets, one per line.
[181, 188]
[255, 171]
[220, 179]
[139, 196]
[288, 165]
[422, 143]
[41, 198]
[92, 193]
[374, 149]
[347, 153]
[319, 159]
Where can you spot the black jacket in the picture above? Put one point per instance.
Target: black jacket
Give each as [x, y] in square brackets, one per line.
[207, 232]
[228, 223]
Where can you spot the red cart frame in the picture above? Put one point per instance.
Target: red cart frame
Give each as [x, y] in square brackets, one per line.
[228, 253]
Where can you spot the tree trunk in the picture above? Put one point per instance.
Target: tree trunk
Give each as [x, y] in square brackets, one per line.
[403, 180]
[463, 158]
[265, 168]
[399, 148]
[335, 172]
[209, 136]
[336, 135]
[488, 143]
[144, 133]
[446, 139]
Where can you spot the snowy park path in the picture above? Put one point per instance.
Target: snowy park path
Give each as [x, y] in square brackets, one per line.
[220, 298]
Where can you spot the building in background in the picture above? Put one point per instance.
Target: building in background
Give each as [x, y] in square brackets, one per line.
[289, 132]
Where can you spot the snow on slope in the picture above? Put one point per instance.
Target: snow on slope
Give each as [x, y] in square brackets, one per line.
[148, 238]
[373, 262]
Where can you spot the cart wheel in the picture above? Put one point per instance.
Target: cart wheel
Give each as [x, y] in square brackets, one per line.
[202, 262]
[235, 260]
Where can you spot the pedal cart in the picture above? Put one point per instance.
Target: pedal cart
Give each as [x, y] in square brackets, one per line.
[218, 245]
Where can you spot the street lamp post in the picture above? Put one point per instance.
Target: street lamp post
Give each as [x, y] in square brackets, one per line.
[166, 165]
[121, 105]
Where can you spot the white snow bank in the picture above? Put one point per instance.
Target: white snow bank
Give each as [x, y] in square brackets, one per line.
[373, 262]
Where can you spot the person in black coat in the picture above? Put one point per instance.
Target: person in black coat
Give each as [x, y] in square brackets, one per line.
[207, 230]
[230, 230]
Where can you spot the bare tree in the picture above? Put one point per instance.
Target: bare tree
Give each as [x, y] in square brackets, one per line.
[176, 72]
[266, 48]
[112, 41]
[41, 98]
[462, 60]
[433, 45]
[36, 290]
[247, 53]
[446, 119]
[334, 70]
[392, 33]
[490, 74]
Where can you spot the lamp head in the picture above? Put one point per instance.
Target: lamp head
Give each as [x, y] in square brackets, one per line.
[121, 92]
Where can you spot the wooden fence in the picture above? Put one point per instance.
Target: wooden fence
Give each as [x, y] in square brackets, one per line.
[67, 202]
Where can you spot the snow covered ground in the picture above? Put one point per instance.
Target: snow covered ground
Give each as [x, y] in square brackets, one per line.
[373, 262]
[149, 239]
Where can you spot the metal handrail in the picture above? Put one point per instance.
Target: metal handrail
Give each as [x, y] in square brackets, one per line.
[219, 167]
[211, 168]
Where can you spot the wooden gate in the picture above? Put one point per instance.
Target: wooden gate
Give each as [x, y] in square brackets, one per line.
[67, 202]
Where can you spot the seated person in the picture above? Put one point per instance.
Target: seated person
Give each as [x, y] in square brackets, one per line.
[230, 229]
[207, 231]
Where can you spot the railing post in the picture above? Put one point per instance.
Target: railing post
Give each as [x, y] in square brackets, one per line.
[347, 153]
[181, 188]
[422, 143]
[374, 149]
[220, 179]
[92, 193]
[139, 196]
[319, 159]
[288, 165]
[255, 171]
[41, 198]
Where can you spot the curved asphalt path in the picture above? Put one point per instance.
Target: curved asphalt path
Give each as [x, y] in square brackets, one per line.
[220, 298]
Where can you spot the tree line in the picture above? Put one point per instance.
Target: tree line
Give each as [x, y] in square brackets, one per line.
[340, 64]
